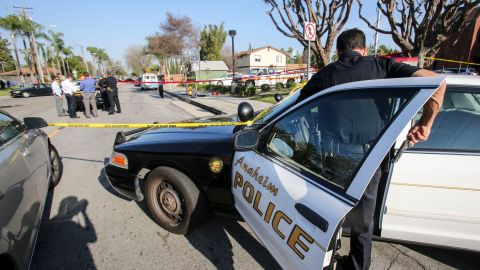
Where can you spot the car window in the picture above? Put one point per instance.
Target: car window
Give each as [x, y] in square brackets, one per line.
[457, 126]
[9, 128]
[320, 138]
[269, 113]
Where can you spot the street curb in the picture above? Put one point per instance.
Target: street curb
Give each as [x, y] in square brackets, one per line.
[198, 104]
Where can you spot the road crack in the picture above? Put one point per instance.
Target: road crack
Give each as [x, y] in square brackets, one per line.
[406, 255]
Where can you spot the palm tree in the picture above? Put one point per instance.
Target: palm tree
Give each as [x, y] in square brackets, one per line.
[67, 52]
[58, 44]
[93, 51]
[12, 24]
[31, 28]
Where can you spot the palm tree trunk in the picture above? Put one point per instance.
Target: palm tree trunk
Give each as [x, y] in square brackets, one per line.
[28, 58]
[68, 67]
[19, 66]
[52, 56]
[36, 62]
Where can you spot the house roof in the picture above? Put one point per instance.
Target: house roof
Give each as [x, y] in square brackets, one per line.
[240, 54]
[209, 65]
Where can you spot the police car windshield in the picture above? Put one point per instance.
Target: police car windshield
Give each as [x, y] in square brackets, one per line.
[272, 111]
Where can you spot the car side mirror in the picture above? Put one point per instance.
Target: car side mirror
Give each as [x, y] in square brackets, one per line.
[246, 139]
[34, 122]
[278, 97]
[245, 111]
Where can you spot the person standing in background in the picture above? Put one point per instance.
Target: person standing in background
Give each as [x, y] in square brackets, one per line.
[58, 94]
[111, 84]
[88, 88]
[69, 90]
[104, 93]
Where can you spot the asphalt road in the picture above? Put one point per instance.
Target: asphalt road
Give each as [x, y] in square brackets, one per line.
[87, 225]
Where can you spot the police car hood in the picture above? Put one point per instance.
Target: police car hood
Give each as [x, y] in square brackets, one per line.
[183, 139]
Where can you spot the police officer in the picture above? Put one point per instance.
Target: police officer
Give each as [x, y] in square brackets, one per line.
[104, 93]
[112, 90]
[354, 65]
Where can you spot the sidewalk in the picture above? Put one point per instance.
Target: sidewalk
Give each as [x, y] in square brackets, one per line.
[226, 104]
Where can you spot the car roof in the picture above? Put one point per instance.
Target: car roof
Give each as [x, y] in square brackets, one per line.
[403, 82]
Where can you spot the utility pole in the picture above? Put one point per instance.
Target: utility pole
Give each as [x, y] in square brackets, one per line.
[33, 46]
[376, 32]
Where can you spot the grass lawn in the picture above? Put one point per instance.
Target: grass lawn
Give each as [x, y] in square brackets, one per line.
[268, 96]
[6, 91]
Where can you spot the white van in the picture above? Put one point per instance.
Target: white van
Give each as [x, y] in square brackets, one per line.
[148, 81]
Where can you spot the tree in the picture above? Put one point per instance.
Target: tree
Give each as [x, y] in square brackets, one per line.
[176, 35]
[212, 39]
[6, 59]
[58, 44]
[12, 24]
[419, 28]
[75, 63]
[382, 50]
[137, 59]
[227, 56]
[330, 18]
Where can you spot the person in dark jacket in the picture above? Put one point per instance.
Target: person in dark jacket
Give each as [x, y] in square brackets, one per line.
[354, 65]
[104, 93]
[112, 90]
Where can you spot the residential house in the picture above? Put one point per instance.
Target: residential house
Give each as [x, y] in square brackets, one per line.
[261, 58]
[205, 70]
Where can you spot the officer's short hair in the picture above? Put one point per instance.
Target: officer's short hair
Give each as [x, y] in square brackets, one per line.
[351, 39]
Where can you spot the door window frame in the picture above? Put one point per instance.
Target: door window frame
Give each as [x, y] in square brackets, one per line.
[4, 143]
[315, 179]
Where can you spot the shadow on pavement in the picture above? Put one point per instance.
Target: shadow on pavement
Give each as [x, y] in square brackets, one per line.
[458, 259]
[211, 238]
[63, 240]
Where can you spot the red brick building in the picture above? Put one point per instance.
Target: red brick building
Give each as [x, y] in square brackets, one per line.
[466, 49]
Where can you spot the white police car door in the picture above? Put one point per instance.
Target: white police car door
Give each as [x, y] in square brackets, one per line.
[296, 187]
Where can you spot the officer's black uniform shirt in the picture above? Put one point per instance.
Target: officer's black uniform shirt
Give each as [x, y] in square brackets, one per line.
[346, 126]
[111, 82]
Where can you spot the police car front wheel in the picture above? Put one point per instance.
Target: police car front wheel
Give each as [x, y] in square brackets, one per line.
[174, 201]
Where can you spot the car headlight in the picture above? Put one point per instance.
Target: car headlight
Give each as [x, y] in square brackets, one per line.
[119, 160]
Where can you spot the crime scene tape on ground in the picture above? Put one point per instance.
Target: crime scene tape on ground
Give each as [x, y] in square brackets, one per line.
[148, 125]
[452, 61]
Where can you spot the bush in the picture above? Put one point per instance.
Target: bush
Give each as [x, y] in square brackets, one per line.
[265, 87]
[279, 85]
[251, 91]
[291, 83]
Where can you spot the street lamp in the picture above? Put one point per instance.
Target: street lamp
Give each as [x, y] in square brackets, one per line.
[232, 33]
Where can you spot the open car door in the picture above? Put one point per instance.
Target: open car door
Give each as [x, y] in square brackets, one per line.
[296, 185]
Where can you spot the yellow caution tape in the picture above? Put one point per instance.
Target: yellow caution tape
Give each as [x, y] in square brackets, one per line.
[452, 61]
[160, 125]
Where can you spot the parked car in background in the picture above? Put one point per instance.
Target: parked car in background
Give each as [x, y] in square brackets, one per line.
[79, 97]
[29, 166]
[226, 79]
[459, 71]
[39, 89]
[149, 81]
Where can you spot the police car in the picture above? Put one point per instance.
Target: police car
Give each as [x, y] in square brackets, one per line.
[294, 189]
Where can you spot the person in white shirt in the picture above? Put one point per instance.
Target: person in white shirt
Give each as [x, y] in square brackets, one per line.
[69, 90]
[58, 94]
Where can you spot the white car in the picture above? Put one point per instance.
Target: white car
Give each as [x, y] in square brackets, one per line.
[149, 81]
[431, 195]
[226, 79]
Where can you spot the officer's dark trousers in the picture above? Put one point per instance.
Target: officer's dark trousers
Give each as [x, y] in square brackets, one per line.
[114, 102]
[72, 105]
[160, 90]
[361, 220]
[106, 102]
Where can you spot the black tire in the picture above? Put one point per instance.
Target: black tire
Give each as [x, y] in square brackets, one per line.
[165, 189]
[249, 84]
[25, 94]
[56, 166]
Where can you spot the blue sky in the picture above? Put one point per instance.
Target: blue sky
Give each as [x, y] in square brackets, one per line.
[115, 25]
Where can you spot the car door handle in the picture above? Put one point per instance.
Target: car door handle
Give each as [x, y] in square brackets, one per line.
[311, 216]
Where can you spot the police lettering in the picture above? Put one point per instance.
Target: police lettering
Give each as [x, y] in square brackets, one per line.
[254, 173]
[276, 217]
